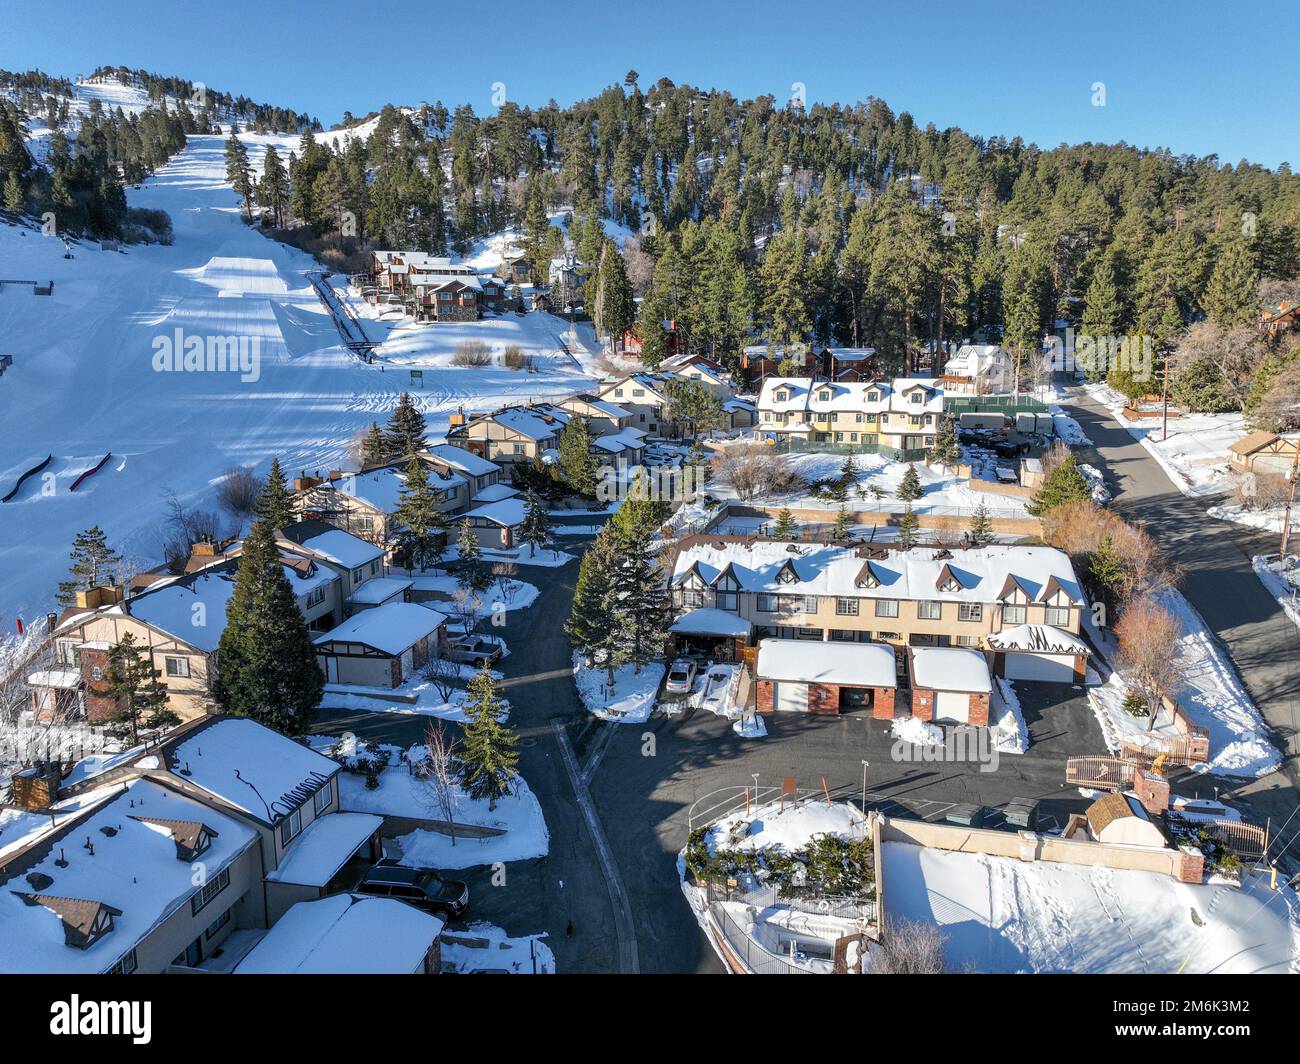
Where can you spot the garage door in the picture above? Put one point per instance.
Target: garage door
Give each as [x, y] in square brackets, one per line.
[1054, 668]
[792, 698]
[953, 706]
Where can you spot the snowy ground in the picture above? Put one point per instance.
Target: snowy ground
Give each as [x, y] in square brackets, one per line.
[1282, 585]
[1008, 730]
[1001, 915]
[1195, 456]
[83, 382]
[402, 794]
[632, 698]
[1211, 695]
[786, 829]
[1267, 520]
[523, 955]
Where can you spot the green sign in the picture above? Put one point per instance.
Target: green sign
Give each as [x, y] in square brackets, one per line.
[417, 375]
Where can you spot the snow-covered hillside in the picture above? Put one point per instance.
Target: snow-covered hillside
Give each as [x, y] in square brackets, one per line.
[83, 381]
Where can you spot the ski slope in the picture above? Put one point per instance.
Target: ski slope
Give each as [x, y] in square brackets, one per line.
[83, 382]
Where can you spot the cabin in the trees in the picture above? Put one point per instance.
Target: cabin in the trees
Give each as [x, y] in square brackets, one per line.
[1278, 318]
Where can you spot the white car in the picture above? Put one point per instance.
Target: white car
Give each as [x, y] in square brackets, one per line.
[681, 677]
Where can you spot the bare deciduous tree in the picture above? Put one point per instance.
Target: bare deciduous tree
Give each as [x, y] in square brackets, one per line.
[442, 673]
[909, 947]
[755, 470]
[1148, 648]
[239, 490]
[439, 773]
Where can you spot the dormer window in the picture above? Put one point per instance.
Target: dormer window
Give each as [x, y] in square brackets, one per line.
[824, 397]
[915, 397]
[782, 397]
[873, 397]
[950, 586]
[787, 575]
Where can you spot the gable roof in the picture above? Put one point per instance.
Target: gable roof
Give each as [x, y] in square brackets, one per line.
[392, 628]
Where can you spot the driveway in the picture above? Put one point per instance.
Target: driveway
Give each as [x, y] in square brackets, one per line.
[1213, 558]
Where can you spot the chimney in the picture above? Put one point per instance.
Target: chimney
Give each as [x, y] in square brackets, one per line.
[36, 787]
[304, 482]
[1152, 790]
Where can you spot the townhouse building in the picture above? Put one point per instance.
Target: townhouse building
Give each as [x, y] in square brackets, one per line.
[903, 414]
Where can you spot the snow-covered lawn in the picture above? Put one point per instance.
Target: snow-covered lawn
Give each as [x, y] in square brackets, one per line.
[400, 793]
[632, 698]
[1267, 520]
[786, 829]
[1283, 584]
[1004, 915]
[518, 594]
[1211, 695]
[1195, 456]
[521, 955]
[545, 557]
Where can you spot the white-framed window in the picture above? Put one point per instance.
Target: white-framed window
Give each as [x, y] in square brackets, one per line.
[767, 604]
[210, 890]
[970, 611]
[357, 574]
[692, 599]
[886, 607]
[315, 597]
[843, 635]
[321, 799]
[967, 640]
[177, 666]
[290, 827]
[1013, 614]
[125, 966]
[929, 611]
[846, 607]
[1058, 616]
[727, 600]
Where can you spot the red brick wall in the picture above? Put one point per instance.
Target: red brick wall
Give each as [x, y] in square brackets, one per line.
[97, 707]
[922, 703]
[1191, 867]
[823, 698]
[979, 710]
[882, 703]
[1151, 790]
[765, 696]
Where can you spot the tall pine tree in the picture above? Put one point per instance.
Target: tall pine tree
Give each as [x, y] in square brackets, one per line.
[421, 524]
[93, 563]
[489, 757]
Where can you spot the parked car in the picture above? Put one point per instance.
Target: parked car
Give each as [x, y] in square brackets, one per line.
[681, 677]
[422, 887]
[474, 650]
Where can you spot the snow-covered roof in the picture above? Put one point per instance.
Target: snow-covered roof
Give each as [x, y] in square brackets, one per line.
[379, 589]
[803, 394]
[345, 934]
[808, 661]
[252, 768]
[971, 360]
[324, 847]
[1000, 914]
[534, 424]
[343, 548]
[495, 493]
[135, 870]
[171, 608]
[466, 461]
[708, 621]
[981, 572]
[851, 354]
[382, 488]
[1042, 638]
[64, 679]
[950, 669]
[392, 628]
[508, 512]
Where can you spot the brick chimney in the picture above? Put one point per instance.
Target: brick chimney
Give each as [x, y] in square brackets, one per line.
[36, 787]
[1152, 790]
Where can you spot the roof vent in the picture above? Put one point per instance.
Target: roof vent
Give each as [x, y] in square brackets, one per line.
[39, 880]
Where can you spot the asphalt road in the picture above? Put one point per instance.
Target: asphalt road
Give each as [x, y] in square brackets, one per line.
[1213, 558]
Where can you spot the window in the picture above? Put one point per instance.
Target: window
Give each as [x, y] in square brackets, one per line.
[638, 391]
[357, 574]
[929, 611]
[809, 604]
[840, 635]
[886, 607]
[967, 640]
[177, 666]
[727, 600]
[810, 633]
[782, 397]
[970, 611]
[125, 966]
[873, 397]
[1058, 616]
[316, 597]
[824, 397]
[217, 924]
[210, 890]
[767, 604]
[885, 637]
[692, 599]
[290, 826]
[915, 397]
[321, 799]
[1013, 614]
[846, 607]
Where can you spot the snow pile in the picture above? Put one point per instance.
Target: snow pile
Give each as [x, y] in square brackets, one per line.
[750, 727]
[1266, 520]
[483, 947]
[1004, 915]
[1282, 583]
[916, 731]
[632, 698]
[1068, 430]
[1008, 730]
[788, 829]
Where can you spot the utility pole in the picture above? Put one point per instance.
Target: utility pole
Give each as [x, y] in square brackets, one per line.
[1164, 403]
[1290, 499]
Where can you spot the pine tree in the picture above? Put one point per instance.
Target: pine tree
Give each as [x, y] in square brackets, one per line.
[577, 464]
[470, 573]
[840, 529]
[1102, 314]
[273, 189]
[848, 471]
[266, 662]
[536, 529]
[136, 688]
[1065, 483]
[93, 562]
[591, 626]
[946, 451]
[422, 526]
[373, 449]
[1232, 296]
[1106, 571]
[981, 530]
[275, 503]
[614, 309]
[641, 606]
[907, 527]
[13, 193]
[785, 525]
[238, 171]
[489, 757]
[405, 435]
[909, 488]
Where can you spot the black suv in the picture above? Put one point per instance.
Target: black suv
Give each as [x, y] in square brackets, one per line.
[421, 887]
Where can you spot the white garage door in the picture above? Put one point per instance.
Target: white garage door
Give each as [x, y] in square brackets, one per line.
[952, 706]
[792, 697]
[1054, 668]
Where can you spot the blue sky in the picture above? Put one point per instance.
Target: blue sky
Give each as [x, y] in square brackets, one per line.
[1194, 76]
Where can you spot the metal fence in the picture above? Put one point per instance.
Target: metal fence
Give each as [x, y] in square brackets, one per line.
[992, 404]
[757, 959]
[766, 896]
[789, 445]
